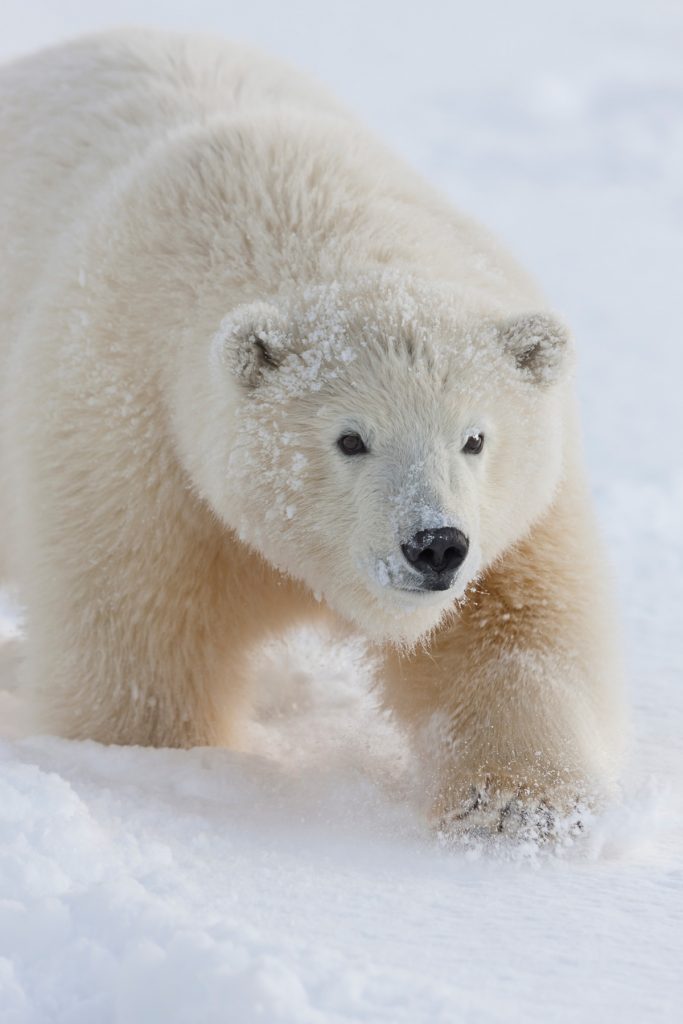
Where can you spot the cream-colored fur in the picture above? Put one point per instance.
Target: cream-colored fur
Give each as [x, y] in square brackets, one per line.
[209, 273]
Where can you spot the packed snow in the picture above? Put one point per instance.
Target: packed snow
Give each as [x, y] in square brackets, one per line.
[296, 880]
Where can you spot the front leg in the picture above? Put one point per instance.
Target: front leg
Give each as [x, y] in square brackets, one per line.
[514, 703]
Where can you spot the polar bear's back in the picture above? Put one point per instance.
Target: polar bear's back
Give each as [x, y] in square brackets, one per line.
[72, 117]
[77, 119]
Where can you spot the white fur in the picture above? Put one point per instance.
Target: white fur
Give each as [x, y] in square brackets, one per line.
[173, 206]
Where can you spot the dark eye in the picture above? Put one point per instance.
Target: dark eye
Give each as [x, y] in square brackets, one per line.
[351, 444]
[474, 444]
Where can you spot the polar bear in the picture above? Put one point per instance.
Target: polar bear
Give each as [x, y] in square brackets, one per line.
[256, 372]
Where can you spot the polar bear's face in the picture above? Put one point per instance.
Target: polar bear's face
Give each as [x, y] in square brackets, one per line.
[385, 451]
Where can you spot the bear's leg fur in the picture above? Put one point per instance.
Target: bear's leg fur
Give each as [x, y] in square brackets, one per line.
[151, 647]
[514, 702]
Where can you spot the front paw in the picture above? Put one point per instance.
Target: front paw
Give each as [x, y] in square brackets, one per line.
[492, 810]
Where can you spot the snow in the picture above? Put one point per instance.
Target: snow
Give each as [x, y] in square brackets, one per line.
[296, 881]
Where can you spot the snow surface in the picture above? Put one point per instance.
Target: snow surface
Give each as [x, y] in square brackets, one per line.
[296, 881]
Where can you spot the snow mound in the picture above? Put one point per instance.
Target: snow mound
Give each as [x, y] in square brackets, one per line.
[299, 882]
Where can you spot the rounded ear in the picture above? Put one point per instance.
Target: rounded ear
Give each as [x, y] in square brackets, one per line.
[251, 342]
[539, 345]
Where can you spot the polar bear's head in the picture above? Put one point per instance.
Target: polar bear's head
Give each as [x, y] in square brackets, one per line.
[383, 444]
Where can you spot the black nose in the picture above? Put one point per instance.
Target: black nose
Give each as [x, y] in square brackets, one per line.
[437, 552]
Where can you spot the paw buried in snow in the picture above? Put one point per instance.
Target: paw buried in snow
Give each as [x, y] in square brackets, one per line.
[490, 813]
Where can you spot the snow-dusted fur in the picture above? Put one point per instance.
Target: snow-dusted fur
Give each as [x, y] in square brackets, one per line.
[210, 273]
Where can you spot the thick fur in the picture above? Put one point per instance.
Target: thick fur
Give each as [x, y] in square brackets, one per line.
[209, 273]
